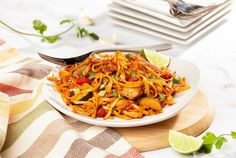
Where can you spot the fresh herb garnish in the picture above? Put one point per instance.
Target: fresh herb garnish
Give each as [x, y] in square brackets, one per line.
[162, 97]
[116, 78]
[210, 140]
[93, 36]
[233, 134]
[82, 32]
[133, 74]
[114, 93]
[50, 39]
[175, 80]
[41, 28]
[66, 21]
[154, 77]
[128, 55]
[91, 75]
[102, 93]
[121, 97]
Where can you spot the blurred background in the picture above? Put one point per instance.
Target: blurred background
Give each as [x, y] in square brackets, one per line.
[106, 14]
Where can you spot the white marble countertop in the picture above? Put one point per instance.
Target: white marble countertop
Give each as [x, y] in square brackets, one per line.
[215, 54]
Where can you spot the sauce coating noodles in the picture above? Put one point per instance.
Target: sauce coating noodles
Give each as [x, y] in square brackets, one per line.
[117, 85]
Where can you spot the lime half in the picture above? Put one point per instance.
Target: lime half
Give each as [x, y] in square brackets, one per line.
[155, 58]
[184, 144]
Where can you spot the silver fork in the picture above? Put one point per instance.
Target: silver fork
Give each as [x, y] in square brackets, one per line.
[184, 10]
[73, 60]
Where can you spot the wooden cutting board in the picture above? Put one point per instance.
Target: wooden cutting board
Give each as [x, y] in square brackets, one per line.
[194, 119]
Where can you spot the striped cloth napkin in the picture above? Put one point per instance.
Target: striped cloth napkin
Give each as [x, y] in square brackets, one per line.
[30, 127]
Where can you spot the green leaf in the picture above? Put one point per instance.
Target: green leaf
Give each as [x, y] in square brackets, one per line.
[128, 55]
[133, 74]
[162, 96]
[209, 138]
[206, 148]
[208, 141]
[50, 39]
[81, 32]
[233, 135]
[93, 36]
[102, 93]
[219, 142]
[175, 80]
[114, 93]
[91, 75]
[66, 21]
[39, 26]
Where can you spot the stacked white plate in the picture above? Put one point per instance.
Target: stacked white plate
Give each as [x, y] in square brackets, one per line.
[153, 17]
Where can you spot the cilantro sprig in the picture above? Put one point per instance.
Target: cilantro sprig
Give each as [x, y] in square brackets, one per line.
[210, 140]
[41, 28]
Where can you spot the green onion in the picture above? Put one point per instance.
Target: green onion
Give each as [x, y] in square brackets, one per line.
[116, 78]
[162, 96]
[91, 75]
[102, 93]
[114, 93]
[121, 97]
[133, 74]
[154, 77]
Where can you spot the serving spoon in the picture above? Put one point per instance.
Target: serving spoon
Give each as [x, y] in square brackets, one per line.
[73, 60]
[184, 10]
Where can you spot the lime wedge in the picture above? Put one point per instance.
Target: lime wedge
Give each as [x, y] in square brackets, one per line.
[155, 58]
[184, 144]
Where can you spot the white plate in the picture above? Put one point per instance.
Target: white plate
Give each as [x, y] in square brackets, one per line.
[183, 68]
[168, 37]
[160, 9]
[168, 31]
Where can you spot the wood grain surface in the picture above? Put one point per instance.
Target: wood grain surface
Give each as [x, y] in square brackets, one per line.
[194, 119]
